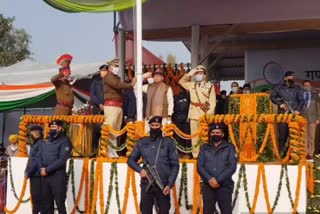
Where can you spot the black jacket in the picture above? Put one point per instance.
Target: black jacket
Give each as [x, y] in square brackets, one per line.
[34, 162]
[181, 107]
[168, 162]
[130, 104]
[220, 163]
[293, 95]
[96, 92]
[55, 153]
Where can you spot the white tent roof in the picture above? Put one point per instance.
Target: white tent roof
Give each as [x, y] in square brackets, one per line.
[29, 72]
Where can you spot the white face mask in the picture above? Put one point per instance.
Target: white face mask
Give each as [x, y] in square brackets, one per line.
[115, 70]
[150, 80]
[198, 77]
[234, 89]
[14, 147]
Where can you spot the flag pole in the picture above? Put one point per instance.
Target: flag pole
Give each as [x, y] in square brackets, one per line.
[138, 58]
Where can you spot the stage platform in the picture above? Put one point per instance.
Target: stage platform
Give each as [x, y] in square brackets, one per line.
[129, 197]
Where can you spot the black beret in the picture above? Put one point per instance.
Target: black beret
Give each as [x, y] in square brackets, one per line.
[289, 73]
[56, 122]
[36, 128]
[103, 67]
[220, 126]
[155, 119]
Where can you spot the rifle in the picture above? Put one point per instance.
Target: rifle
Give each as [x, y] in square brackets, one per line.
[152, 175]
[289, 107]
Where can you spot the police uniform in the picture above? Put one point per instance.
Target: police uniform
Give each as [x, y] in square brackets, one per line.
[202, 101]
[63, 88]
[32, 171]
[220, 163]
[54, 155]
[293, 95]
[167, 167]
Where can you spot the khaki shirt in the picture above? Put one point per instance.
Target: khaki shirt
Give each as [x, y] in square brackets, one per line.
[201, 92]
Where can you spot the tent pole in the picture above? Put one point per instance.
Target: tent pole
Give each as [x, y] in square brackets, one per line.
[138, 58]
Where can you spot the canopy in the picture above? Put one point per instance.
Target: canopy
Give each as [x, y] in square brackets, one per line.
[71, 6]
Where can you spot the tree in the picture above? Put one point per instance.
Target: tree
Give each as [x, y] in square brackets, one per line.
[14, 43]
[171, 59]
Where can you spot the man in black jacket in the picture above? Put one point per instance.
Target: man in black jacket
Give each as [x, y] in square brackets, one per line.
[217, 162]
[289, 99]
[97, 100]
[54, 153]
[161, 153]
[32, 170]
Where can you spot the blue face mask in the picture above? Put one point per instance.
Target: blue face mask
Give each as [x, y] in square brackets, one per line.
[198, 77]
[52, 133]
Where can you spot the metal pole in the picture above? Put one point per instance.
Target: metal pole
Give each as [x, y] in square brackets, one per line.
[122, 52]
[138, 62]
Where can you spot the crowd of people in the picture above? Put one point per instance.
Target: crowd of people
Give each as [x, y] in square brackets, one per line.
[195, 97]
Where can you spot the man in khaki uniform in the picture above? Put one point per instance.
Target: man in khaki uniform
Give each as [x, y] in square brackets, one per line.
[202, 99]
[113, 92]
[63, 86]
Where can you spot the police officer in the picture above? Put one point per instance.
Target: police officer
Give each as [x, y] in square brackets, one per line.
[160, 152]
[217, 162]
[32, 170]
[289, 99]
[55, 152]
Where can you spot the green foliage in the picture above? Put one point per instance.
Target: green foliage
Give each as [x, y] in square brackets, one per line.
[14, 43]
[313, 205]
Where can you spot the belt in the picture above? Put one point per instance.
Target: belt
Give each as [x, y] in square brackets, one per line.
[113, 102]
[198, 104]
[64, 104]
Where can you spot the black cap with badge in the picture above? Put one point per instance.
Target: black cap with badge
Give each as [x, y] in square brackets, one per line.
[155, 119]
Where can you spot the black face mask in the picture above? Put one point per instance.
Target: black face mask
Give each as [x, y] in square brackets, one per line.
[155, 133]
[53, 133]
[216, 138]
[290, 82]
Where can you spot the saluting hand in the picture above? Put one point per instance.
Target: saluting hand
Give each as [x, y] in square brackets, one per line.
[192, 72]
[166, 190]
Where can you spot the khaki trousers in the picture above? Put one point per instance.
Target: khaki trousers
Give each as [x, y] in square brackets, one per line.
[310, 138]
[113, 117]
[194, 127]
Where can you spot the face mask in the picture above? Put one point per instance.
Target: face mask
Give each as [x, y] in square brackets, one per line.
[246, 92]
[53, 133]
[115, 70]
[154, 133]
[150, 80]
[234, 89]
[14, 147]
[308, 88]
[198, 77]
[216, 138]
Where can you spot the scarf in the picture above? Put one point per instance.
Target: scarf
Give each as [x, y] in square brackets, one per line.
[157, 103]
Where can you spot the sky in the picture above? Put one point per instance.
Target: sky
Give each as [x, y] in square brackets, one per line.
[87, 36]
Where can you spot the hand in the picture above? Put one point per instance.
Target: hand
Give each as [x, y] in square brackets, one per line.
[134, 81]
[169, 121]
[166, 190]
[297, 112]
[147, 75]
[317, 121]
[143, 173]
[213, 183]
[283, 106]
[192, 72]
[43, 172]
[101, 107]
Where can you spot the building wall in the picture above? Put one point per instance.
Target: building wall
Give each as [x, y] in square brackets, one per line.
[301, 61]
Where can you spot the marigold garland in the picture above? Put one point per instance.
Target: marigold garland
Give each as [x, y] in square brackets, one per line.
[23, 190]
